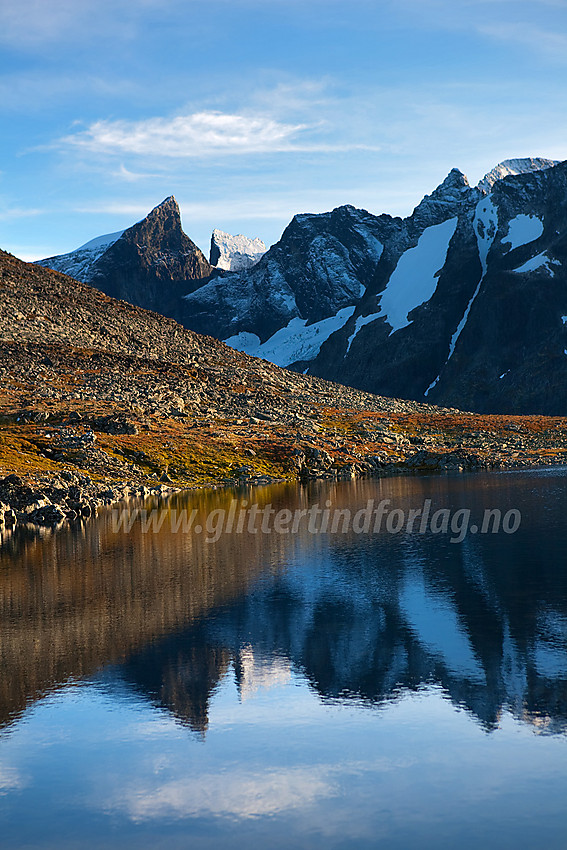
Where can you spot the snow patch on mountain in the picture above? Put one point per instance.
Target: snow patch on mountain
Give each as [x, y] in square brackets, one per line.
[485, 225]
[295, 342]
[538, 262]
[522, 230]
[79, 262]
[515, 166]
[235, 253]
[360, 322]
[414, 280]
[101, 242]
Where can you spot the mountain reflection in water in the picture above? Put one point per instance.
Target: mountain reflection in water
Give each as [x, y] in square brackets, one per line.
[365, 618]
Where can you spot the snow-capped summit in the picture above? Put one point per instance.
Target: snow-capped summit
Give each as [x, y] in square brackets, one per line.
[234, 253]
[515, 166]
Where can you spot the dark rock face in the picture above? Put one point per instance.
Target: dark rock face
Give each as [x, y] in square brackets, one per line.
[463, 303]
[152, 265]
[492, 337]
[319, 266]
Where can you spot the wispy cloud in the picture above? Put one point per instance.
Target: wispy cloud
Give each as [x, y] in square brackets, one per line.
[33, 23]
[44, 90]
[278, 205]
[201, 134]
[9, 213]
[198, 134]
[124, 173]
[549, 42]
[536, 25]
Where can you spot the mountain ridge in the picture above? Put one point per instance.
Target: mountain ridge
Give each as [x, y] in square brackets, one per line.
[390, 304]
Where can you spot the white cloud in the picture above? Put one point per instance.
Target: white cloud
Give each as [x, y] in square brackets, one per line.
[201, 134]
[197, 134]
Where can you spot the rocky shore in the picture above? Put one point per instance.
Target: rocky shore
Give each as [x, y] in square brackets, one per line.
[102, 401]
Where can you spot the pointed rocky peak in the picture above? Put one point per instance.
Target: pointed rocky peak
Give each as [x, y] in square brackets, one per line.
[153, 264]
[168, 207]
[447, 199]
[161, 228]
[452, 187]
[509, 167]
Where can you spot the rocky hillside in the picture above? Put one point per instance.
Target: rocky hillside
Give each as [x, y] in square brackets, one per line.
[97, 393]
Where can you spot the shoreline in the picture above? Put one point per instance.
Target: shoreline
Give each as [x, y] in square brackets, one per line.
[56, 500]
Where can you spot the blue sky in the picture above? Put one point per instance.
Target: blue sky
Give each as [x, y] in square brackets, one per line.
[249, 111]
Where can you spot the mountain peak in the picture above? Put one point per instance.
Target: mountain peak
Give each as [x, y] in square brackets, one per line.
[445, 200]
[167, 203]
[168, 208]
[161, 229]
[235, 253]
[508, 167]
[455, 180]
[151, 264]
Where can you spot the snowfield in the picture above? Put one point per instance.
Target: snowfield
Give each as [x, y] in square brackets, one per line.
[414, 279]
[523, 229]
[297, 341]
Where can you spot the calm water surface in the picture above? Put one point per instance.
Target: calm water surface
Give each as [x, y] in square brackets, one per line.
[278, 690]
